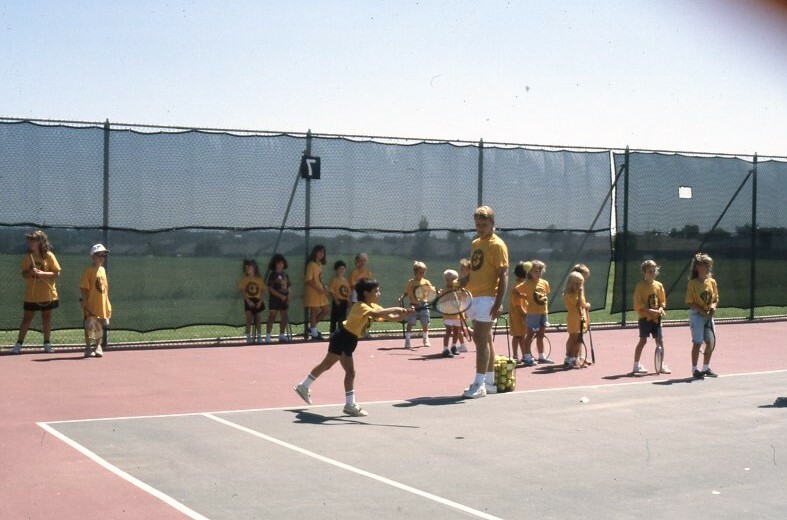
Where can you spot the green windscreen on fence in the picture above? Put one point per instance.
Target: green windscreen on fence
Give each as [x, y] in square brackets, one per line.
[184, 208]
[677, 206]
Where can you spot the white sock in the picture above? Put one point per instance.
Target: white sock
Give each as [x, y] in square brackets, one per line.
[308, 381]
[407, 336]
[693, 368]
[479, 379]
[489, 378]
[349, 398]
[705, 367]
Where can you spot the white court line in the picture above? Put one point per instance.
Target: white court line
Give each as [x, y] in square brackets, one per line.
[342, 465]
[637, 380]
[122, 474]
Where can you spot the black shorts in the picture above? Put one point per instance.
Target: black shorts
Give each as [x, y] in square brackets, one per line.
[33, 306]
[648, 328]
[342, 342]
[253, 308]
[277, 304]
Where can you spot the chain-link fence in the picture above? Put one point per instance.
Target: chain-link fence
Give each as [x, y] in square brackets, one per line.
[180, 209]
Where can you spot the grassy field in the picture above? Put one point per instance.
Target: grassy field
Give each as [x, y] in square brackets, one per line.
[196, 298]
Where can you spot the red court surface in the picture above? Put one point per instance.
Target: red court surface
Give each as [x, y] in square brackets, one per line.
[44, 478]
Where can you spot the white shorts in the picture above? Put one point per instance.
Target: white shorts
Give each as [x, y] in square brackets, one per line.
[481, 309]
[451, 323]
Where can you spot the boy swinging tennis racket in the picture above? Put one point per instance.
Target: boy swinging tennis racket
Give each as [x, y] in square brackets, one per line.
[343, 342]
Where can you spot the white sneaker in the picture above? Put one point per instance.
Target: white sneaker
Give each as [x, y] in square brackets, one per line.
[17, 348]
[304, 393]
[475, 391]
[462, 347]
[640, 371]
[426, 342]
[665, 369]
[48, 348]
[353, 410]
[490, 389]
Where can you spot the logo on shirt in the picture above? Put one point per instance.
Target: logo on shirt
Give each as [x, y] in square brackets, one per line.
[540, 297]
[653, 301]
[706, 297]
[101, 286]
[477, 259]
[252, 289]
[344, 291]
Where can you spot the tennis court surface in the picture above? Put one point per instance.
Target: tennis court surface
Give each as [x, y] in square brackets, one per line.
[218, 433]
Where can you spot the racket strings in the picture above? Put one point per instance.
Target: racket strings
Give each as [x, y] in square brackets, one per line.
[453, 302]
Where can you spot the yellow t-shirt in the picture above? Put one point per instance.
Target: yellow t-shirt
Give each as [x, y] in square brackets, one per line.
[340, 289]
[487, 256]
[537, 296]
[94, 283]
[313, 297]
[702, 294]
[252, 287]
[649, 296]
[39, 290]
[359, 320]
[517, 309]
[355, 275]
[412, 284]
[574, 312]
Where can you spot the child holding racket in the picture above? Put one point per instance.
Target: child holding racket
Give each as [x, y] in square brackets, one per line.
[344, 341]
[315, 297]
[650, 300]
[517, 309]
[94, 300]
[361, 270]
[702, 297]
[453, 325]
[537, 290]
[575, 311]
[584, 270]
[487, 283]
[340, 295]
[252, 288]
[40, 269]
[415, 286]
[278, 283]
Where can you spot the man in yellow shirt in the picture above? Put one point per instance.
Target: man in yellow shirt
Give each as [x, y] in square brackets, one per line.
[488, 283]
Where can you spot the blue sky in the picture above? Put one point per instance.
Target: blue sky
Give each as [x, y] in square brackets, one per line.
[702, 75]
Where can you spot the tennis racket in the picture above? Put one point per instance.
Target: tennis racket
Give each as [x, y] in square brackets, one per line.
[452, 301]
[590, 337]
[48, 300]
[582, 349]
[658, 355]
[93, 328]
[466, 331]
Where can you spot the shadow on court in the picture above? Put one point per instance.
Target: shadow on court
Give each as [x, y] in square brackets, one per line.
[431, 401]
[306, 417]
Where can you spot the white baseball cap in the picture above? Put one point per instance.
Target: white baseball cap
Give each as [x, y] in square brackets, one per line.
[98, 248]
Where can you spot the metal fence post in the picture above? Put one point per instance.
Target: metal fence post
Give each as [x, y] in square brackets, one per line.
[625, 241]
[307, 227]
[105, 216]
[753, 264]
[480, 173]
